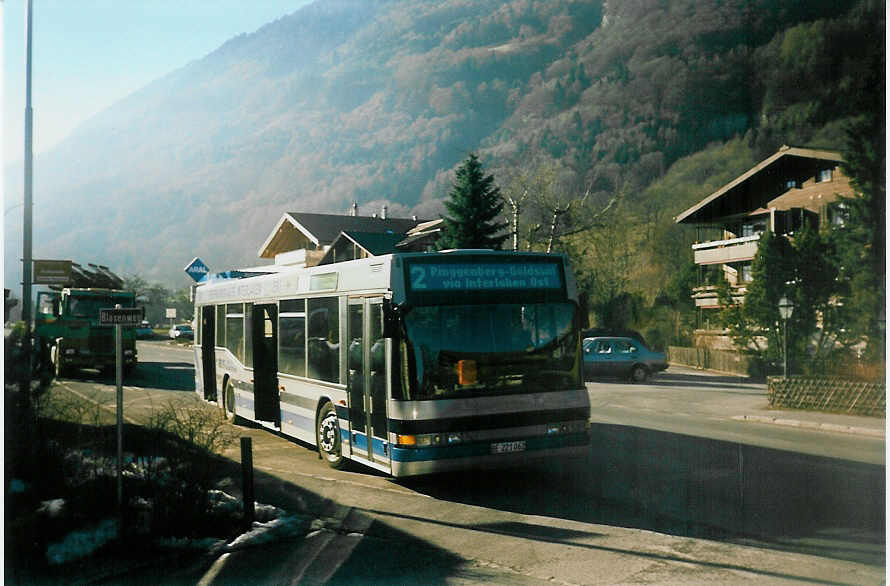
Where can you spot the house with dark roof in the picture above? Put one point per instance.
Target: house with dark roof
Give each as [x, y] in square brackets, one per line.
[310, 239]
[793, 187]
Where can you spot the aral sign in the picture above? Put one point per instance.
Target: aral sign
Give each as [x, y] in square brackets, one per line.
[196, 269]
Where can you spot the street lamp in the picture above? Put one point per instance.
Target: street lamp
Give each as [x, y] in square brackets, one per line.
[786, 307]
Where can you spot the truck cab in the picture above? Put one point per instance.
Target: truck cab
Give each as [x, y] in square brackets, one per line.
[67, 328]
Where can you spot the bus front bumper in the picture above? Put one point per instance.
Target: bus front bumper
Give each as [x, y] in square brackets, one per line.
[418, 461]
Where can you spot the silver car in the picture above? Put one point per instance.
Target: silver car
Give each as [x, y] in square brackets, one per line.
[620, 357]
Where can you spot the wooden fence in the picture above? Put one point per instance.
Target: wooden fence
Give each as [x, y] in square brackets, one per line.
[828, 394]
[722, 360]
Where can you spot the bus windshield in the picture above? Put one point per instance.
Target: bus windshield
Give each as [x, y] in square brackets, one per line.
[469, 350]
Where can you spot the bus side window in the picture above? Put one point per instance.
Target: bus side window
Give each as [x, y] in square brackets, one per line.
[221, 326]
[235, 329]
[323, 316]
[292, 337]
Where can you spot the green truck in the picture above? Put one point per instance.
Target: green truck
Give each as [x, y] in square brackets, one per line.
[68, 333]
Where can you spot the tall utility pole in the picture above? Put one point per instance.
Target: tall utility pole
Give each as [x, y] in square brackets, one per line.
[27, 263]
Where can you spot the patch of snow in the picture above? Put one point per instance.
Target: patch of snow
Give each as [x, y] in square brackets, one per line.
[220, 502]
[265, 513]
[290, 526]
[52, 508]
[79, 544]
[203, 544]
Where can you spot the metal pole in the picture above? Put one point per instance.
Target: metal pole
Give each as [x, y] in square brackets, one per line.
[785, 348]
[119, 379]
[27, 263]
[247, 480]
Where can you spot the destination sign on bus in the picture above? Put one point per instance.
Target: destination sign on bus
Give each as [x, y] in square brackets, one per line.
[430, 277]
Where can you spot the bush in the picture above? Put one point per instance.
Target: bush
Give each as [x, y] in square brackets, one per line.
[176, 469]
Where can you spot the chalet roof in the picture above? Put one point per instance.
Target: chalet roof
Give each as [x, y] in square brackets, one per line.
[294, 229]
[373, 243]
[760, 184]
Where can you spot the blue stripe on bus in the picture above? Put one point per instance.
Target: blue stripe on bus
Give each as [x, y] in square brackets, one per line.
[360, 444]
[299, 420]
[484, 448]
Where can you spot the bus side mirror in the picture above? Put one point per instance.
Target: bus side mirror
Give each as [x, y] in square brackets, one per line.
[390, 319]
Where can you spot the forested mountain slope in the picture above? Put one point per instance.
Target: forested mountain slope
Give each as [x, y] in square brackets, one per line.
[377, 100]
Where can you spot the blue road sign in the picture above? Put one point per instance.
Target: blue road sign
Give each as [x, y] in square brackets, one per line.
[197, 270]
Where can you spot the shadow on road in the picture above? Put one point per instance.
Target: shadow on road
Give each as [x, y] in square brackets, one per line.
[687, 380]
[167, 376]
[170, 376]
[694, 487]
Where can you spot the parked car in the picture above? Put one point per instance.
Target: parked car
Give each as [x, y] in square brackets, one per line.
[182, 332]
[621, 357]
[144, 331]
[613, 333]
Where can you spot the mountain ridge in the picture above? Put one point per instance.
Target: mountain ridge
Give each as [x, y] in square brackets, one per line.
[377, 102]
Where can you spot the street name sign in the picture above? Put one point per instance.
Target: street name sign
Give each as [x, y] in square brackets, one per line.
[121, 316]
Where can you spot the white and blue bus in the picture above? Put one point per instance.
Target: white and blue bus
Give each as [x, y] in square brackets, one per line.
[409, 363]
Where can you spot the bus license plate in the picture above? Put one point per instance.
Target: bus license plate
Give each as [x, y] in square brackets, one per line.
[507, 447]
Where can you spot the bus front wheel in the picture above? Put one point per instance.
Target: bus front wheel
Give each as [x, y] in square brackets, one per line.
[328, 437]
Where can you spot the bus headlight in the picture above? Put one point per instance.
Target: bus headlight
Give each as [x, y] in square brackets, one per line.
[429, 440]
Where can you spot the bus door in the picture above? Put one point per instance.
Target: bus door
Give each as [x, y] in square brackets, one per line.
[264, 332]
[367, 379]
[208, 354]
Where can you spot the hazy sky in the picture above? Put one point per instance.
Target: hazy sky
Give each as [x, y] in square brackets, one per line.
[87, 54]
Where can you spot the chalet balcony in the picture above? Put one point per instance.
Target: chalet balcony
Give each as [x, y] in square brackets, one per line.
[706, 297]
[726, 251]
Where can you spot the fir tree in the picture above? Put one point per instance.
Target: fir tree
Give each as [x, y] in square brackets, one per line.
[473, 205]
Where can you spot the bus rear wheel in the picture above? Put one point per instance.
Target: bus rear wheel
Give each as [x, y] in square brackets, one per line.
[229, 400]
[328, 437]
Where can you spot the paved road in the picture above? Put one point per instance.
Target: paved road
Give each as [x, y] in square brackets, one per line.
[553, 523]
[685, 401]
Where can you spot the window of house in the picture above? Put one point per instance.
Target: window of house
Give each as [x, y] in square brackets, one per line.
[745, 274]
[754, 228]
[791, 184]
[823, 175]
[838, 214]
